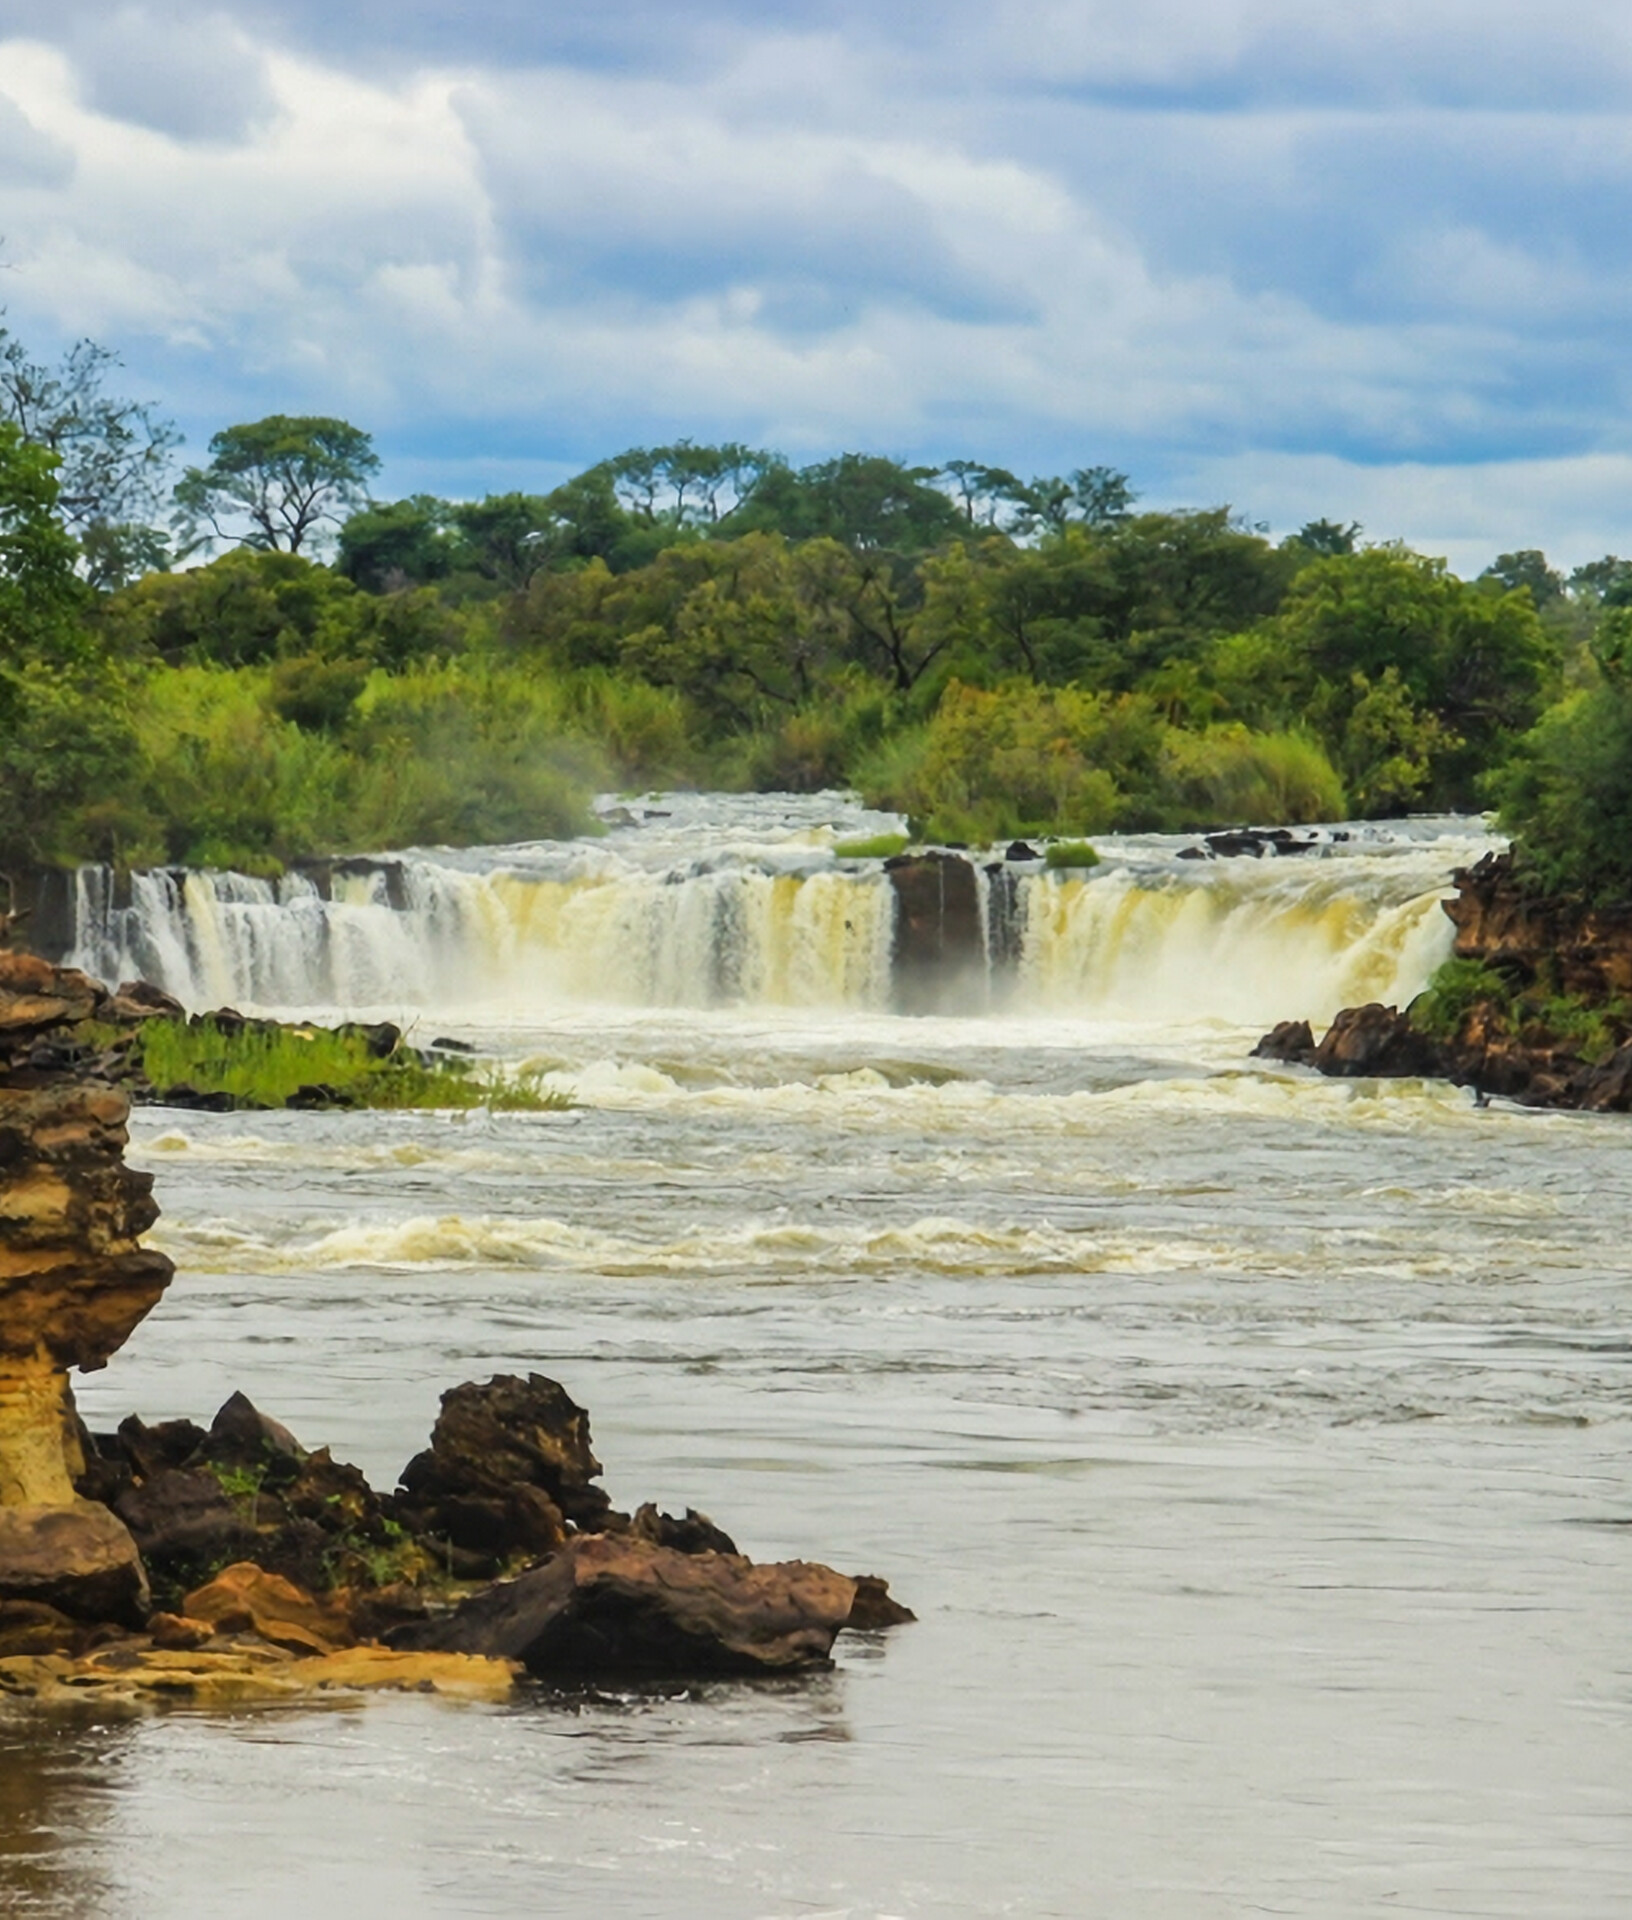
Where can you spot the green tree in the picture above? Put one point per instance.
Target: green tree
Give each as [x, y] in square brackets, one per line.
[1479, 662]
[1528, 568]
[286, 475]
[863, 501]
[1087, 497]
[113, 455]
[65, 734]
[1326, 537]
[388, 545]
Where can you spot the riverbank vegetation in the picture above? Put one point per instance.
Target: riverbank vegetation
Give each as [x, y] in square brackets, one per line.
[988, 655]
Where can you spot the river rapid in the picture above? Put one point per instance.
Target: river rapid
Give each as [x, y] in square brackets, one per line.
[1253, 1447]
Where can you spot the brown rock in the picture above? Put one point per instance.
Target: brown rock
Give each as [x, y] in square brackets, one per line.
[138, 1000]
[78, 1559]
[615, 1607]
[186, 1526]
[1288, 1040]
[1585, 951]
[175, 1633]
[874, 1606]
[508, 1466]
[696, 1533]
[1373, 1040]
[246, 1598]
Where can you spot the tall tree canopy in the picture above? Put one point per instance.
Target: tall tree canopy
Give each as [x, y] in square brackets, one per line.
[285, 475]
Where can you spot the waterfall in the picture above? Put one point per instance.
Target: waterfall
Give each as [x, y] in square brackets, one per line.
[1153, 934]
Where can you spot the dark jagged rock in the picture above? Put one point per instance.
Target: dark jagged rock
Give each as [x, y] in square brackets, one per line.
[696, 1533]
[508, 1469]
[1290, 1040]
[381, 1038]
[186, 1526]
[1021, 850]
[241, 1435]
[874, 1608]
[1258, 841]
[617, 1607]
[149, 1450]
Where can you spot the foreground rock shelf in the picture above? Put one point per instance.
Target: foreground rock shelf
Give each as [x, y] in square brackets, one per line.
[218, 1565]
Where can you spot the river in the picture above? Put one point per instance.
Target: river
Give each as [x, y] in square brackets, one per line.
[1254, 1448]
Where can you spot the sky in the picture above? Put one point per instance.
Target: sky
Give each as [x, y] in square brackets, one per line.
[1370, 262]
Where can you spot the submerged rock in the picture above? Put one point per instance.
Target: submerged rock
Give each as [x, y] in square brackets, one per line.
[620, 1607]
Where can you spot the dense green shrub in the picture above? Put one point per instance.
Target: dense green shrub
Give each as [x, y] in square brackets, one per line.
[1228, 775]
[1456, 988]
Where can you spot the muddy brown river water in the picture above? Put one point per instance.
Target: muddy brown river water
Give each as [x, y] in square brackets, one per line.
[1255, 1450]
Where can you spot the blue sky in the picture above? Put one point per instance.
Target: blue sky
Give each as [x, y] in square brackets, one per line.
[1373, 262]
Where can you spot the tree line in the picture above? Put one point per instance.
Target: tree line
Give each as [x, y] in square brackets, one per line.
[258, 659]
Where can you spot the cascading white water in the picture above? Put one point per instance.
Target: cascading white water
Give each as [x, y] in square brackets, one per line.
[1240, 941]
[691, 909]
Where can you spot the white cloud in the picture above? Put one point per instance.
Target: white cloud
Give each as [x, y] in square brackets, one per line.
[835, 238]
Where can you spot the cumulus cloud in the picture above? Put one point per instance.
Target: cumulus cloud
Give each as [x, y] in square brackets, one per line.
[28, 156]
[1241, 247]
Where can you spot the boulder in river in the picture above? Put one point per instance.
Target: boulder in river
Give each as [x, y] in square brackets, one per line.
[1374, 1040]
[613, 1606]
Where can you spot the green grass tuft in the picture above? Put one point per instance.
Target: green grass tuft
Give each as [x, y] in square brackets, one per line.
[882, 846]
[263, 1065]
[1071, 853]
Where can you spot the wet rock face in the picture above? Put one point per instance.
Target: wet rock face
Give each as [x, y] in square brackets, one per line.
[940, 942]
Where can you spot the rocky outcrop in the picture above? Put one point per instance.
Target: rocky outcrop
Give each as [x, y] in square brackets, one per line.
[611, 1607]
[258, 1547]
[509, 1468]
[232, 1562]
[1361, 1042]
[1576, 949]
[74, 1282]
[1552, 1031]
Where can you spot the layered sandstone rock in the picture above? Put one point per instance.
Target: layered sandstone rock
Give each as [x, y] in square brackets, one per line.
[74, 1282]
